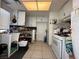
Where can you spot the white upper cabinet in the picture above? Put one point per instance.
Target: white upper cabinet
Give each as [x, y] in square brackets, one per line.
[21, 18]
[31, 21]
[4, 19]
[75, 4]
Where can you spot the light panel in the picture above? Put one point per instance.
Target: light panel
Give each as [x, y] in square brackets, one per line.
[37, 5]
[44, 0]
[31, 6]
[36, 0]
[29, 0]
[43, 6]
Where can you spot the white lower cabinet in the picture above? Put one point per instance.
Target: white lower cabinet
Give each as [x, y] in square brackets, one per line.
[58, 47]
[10, 39]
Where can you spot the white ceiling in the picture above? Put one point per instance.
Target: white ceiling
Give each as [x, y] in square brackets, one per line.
[14, 5]
[56, 5]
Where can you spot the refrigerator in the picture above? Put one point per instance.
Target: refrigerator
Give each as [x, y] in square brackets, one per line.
[75, 32]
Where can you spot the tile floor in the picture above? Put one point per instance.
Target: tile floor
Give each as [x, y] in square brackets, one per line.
[39, 50]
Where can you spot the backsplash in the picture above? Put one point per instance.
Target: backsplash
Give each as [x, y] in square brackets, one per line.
[61, 24]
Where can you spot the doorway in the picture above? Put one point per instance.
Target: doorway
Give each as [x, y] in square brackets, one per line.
[41, 30]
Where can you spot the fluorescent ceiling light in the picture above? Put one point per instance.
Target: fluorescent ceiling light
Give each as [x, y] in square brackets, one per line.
[37, 0]
[43, 6]
[37, 5]
[30, 6]
[29, 0]
[44, 0]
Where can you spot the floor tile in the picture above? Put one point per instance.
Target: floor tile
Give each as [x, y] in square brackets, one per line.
[36, 58]
[39, 50]
[26, 58]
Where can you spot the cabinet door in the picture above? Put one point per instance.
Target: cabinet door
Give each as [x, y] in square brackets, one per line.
[4, 19]
[56, 46]
[75, 4]
[21, 18]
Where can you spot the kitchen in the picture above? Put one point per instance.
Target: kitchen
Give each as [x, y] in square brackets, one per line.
[61, 24]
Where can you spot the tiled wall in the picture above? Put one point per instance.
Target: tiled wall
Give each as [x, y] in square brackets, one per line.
[60, 25]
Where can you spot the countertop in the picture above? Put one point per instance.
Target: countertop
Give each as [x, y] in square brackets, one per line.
[62, 37]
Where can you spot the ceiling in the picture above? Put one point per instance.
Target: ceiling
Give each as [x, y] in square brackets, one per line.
[56, 5]
[14, 5]
[37, 5]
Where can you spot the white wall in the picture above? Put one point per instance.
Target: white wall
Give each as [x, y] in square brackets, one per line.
[63, 12]
[52, 15]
